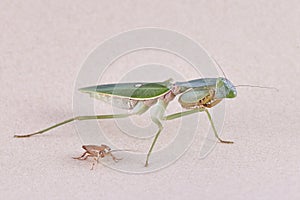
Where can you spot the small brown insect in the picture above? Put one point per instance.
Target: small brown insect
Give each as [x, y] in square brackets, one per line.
[96, 152]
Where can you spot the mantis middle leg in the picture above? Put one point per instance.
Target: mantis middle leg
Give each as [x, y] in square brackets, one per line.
[189, 112]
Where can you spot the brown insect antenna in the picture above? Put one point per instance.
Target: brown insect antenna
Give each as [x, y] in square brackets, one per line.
[115, 150]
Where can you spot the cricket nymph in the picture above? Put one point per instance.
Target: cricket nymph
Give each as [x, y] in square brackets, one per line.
[96, 152]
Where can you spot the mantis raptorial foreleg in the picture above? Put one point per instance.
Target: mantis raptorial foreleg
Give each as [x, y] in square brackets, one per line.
[213, 103]
[189, 112]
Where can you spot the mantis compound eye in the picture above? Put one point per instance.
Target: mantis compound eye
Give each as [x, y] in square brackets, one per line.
[225, 89]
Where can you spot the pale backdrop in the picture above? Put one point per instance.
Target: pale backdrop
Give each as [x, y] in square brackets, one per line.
[43, 44]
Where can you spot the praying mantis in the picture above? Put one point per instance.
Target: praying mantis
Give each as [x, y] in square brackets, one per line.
[195, 96]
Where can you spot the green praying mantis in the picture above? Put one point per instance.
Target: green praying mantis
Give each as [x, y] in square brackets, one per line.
[195, 96]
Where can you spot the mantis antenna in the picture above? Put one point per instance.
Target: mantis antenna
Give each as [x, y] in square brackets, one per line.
[254, 86]
[257, 86]
[219, 67]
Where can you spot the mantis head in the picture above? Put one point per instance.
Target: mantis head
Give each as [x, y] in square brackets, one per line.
[225, 89]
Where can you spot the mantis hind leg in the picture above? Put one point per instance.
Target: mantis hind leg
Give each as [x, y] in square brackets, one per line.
[140, 110]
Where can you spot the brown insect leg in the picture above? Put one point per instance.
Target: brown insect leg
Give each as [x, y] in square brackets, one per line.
[113, 157]
[84, 156]
[96, 160]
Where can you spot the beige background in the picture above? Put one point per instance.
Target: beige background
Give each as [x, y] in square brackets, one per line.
[42, 46]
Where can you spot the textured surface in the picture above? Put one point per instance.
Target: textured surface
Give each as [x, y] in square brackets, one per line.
[42, 46]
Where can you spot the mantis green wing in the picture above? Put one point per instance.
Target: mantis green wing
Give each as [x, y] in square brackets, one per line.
[127, 95]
